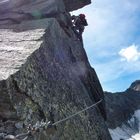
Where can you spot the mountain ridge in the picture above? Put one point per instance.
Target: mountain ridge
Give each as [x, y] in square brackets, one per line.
[121, 112]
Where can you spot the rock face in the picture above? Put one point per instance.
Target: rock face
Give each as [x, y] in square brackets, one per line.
[17, 11]
[121, 110]
[45, 71]
[75, 4]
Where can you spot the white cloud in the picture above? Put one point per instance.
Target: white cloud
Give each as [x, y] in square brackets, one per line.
[130, 53]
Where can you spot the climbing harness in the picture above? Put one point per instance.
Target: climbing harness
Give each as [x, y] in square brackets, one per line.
[48, 127]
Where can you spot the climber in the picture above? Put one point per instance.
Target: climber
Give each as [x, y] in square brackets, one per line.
[79, 23]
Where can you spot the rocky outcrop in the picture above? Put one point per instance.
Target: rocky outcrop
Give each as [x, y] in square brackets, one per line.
[75, 4]
[17, 11]
[45, 71]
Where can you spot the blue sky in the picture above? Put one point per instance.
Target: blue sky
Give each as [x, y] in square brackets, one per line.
[112, 41]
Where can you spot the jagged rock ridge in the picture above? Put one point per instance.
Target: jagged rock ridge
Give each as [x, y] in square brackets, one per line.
[45, 68]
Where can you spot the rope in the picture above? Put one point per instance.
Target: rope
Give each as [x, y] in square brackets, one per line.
[33, 129]
[73, 115]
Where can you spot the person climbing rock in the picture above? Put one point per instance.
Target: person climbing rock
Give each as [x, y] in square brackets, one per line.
[79, 23]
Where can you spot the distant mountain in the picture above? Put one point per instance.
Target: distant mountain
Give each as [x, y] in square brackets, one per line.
[123, 112]
[135, 86]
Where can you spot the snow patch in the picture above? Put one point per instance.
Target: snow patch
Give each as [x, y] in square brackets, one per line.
[128, 131]
[135, 137]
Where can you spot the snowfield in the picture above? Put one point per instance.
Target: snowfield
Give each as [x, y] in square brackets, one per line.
[135, 137]
[129, 130]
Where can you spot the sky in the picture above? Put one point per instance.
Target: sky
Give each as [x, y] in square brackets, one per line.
[112, 41]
